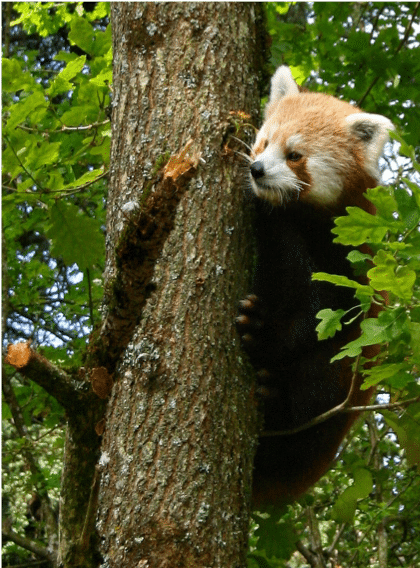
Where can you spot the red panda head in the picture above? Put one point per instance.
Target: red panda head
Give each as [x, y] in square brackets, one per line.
[315, 148]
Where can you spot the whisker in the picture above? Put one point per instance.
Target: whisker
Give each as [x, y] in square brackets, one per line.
[242, 142]
[244, 156]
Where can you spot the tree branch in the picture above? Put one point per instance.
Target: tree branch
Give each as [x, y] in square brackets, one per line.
[6, 32]
[315, 536]
[336, 410]
[92, 319]
[379, 407]
[138, 247]
[309, 556]
[336, 538]
[27, 544]
[34, 366]
[344, 406]
[66, 128]
[27, 564]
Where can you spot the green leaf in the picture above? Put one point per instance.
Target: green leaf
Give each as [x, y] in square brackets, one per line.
[72, 68]
[282, 7]
[355, 257]
[35, 17]
[407, 429]
[81, 34]
[363, 292]
[104, 78]
[384, 201]
[75, 237]
[330, 323]
[359, 227]
[13, 78]
[395, 374]
[408, 205]
[87, 177]
[405, 149]
[76, 116]
[62, 83]
[276, 538]
[5, 411]
[25, 107]
[298, 73]
[358, 41]
[364, 295]
[340, 280]
[103, 43]
[387, 326]
[387, 275]
[43, 156]
[415, 188]
[65, 56]
[346, 504]
[415, 336]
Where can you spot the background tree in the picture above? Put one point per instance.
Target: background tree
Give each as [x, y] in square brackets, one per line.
[56, 133]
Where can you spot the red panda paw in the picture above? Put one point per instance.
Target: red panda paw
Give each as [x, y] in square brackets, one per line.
[249, 322]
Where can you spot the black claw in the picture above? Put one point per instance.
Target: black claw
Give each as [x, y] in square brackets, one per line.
[262, 392]
[265, 393]
[263, 375]
[247, 338]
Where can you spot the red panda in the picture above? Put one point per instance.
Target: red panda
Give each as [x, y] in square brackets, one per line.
[313, 156]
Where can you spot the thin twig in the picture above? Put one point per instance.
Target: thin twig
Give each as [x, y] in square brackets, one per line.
[65, 128]
[324, 416]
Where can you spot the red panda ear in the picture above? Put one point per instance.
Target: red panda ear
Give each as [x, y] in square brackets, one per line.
[282, 84]
[373, 131]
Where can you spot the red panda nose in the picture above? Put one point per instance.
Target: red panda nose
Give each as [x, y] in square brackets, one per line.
[257, 170]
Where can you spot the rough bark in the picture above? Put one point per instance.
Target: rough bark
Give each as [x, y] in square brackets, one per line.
[179, 441]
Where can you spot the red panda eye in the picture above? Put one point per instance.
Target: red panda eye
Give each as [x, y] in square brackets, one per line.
[293, 156]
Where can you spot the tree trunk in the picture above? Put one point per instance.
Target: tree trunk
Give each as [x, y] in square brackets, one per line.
[176, 458]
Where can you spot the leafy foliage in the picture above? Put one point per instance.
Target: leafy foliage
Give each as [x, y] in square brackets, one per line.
[56, 154]
[394, 271]
[56, 76]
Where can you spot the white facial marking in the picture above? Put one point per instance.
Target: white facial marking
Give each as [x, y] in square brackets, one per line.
[293, 142]
[326, 181]
[279, 183]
